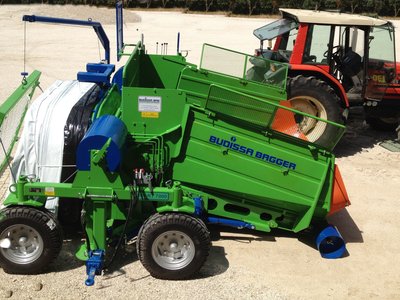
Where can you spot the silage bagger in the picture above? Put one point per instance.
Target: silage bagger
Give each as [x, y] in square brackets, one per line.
[170, 148]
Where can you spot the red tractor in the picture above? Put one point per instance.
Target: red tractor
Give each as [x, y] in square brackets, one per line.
[335, 60]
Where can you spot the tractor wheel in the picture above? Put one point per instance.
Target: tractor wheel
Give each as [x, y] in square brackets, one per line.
[173, 246]
[387, 124]
[30, 239]
[315, 97]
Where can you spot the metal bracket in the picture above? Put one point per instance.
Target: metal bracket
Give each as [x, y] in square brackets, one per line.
[101, 34]
[94, 265]
[198, 206]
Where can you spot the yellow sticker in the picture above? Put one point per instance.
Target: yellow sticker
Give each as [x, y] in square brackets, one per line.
[379, 78]
[49, 191]
[150, 114]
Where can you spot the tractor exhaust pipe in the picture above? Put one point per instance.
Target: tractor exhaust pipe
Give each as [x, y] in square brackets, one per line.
[330, 243]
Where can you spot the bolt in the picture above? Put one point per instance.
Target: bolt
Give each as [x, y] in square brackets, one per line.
[173, 246]
[22, 241]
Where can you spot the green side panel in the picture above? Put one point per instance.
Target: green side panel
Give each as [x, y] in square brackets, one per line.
[152, 71]
[196, 83]
[242, 166]
[161, 71]
[130, 74]
[12, 113]
[111, 103]
[152, 111]
[240, 106]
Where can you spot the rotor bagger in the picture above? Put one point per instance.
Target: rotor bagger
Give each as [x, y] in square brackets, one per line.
[171, 148]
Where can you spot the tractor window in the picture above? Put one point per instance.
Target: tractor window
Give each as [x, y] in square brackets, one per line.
[291, 39]
[381, 64]
[317, 44]
[381, 46]
[357, 41]
[272, 30]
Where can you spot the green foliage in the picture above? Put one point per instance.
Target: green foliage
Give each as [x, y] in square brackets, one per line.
[243, 7]
[394, 5]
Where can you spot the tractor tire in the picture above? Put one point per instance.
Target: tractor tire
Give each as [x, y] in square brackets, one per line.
[317, 98]
[173, 246]
[30, 239]
[384, 124]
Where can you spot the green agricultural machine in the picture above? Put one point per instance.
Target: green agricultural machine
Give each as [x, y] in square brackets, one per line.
[169, 149]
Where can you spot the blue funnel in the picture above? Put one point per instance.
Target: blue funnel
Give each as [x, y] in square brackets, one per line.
[330, 243]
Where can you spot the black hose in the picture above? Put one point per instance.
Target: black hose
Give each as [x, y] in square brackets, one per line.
[132, 203]
[77, 124]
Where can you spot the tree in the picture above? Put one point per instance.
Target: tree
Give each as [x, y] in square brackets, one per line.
[183, 3]
[275, 6]
[374, 6]
[265, 6]
[292, 3]
[354, 4]
[164, 3]
[147, 2]
[333, 4]
[232, 5]
[395, 4]
[251, 6]
[208, 4]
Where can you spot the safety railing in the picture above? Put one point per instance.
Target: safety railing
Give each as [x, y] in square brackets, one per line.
[241, 65]
[273, 117]
[12, 113]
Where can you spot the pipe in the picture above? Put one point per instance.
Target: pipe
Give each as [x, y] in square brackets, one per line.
[330, 243]
[101, 34]
[231, 223]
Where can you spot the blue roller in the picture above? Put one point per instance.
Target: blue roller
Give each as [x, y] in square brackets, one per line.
[330, 243]
[102, 129]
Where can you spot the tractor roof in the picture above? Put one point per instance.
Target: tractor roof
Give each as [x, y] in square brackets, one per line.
[331, 18]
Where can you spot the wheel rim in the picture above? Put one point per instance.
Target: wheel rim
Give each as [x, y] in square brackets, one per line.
[173, 250]
[311, 128]
[26, 244]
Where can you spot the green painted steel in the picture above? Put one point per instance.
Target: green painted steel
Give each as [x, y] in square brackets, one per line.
[199, 133]
[12, 112]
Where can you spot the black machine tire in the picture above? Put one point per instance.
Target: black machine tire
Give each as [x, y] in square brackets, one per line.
[35, 240]
[173, 246]
[387, 124]
[316, 97]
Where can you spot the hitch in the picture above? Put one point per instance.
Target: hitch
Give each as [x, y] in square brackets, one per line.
[94, 265]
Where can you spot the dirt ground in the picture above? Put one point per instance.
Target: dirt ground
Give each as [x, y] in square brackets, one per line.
[241, 265]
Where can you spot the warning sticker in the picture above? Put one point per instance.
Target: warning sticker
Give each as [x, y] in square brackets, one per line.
[49, 191]
[146, 114]
[149, 104]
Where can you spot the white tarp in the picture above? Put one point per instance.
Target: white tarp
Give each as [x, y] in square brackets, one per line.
[40, 148]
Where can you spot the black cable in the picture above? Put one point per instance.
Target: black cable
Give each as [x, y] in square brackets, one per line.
[132, 203]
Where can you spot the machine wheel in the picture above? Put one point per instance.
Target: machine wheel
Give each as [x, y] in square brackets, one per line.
[382, 123]
[30, 239]
[315, 97]
[173, 246]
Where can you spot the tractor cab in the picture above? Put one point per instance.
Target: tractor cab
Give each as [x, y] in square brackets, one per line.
[353, 54]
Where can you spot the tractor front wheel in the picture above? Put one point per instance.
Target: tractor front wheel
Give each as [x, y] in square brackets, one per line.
[173, 246]
[30, 239]
[315, 97]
